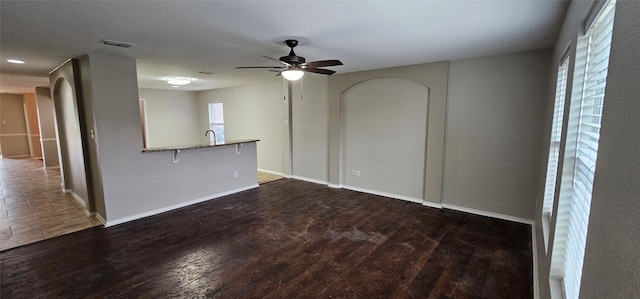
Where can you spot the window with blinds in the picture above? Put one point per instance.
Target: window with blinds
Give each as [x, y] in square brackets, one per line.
[216, 122]
[581, 153]
[554, 148]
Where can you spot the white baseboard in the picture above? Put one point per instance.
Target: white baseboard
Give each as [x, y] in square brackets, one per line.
[488, 214]
[110, 223]
[52, 167]
[310, 180]
[337, 186]
[385, 194]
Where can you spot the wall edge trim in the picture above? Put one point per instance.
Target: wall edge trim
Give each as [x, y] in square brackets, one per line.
[272, 172]
[310, 180]
[534, 257]
[76, 197]
[385, 194]
[488, 214]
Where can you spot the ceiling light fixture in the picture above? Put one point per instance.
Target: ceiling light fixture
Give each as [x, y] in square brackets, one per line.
[16, 61]
[178, 80]
[115, 43]
[292, 75]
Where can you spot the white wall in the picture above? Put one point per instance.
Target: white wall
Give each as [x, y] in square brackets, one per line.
[171, 117]
[495, 122]
[252, 112]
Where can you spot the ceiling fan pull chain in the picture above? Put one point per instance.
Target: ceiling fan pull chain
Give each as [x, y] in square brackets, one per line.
[284, 89]
[301, 79]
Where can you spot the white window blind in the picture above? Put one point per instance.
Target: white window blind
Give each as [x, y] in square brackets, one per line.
[581, 154]
[554, 144]
[554, 150]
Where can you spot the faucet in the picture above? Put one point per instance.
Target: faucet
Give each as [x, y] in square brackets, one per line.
[206, 133]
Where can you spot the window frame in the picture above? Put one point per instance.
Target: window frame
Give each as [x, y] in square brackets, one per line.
[555, 142]
[215, 125]
[580, 155]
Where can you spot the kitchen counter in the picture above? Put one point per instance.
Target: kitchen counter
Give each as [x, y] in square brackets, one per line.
[196, 146]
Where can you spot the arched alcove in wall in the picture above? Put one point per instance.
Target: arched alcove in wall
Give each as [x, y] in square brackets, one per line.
[72, 163]
[384, 131]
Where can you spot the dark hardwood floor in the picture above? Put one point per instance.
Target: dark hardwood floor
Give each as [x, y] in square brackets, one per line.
[286, 239]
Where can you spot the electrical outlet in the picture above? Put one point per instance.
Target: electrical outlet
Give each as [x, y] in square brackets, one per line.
[358, 172]
[235, 173]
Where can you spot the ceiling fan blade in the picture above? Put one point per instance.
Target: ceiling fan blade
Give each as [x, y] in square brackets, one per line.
[260, 67]
[276, 60]
[318, 71]
[321, 63]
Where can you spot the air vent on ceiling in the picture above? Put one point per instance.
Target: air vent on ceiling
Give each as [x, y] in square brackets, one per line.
[116, 43]
[206, 73]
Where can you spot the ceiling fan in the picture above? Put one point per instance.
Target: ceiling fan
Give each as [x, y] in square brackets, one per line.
[294, 66]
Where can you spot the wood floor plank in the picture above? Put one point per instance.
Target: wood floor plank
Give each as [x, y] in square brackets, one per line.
[286, 239]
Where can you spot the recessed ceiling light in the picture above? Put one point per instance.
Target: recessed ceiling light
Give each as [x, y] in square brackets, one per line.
[178, 80]
[16, 61]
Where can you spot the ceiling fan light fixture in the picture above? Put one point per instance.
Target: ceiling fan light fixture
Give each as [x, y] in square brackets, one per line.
[178, 80]
[292, 75]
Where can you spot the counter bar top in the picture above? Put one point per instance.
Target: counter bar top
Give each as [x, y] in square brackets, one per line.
[196, 146]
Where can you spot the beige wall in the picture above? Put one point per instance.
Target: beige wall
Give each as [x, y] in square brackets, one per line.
[611, 261]
[20, 133]
[310, 128]
[385, 131]
[69, 115]
[171, 117]
[33, 125]
[135, 184]
[500, 126]
[495, 121]
[612, 254]
[432, 75]
[47, 127]
[14, 139]
[252, 112]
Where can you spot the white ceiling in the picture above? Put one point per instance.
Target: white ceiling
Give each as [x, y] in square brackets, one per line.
[185, 37]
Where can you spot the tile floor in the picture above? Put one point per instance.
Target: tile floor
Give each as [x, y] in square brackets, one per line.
[33, 206]
[265, 177]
